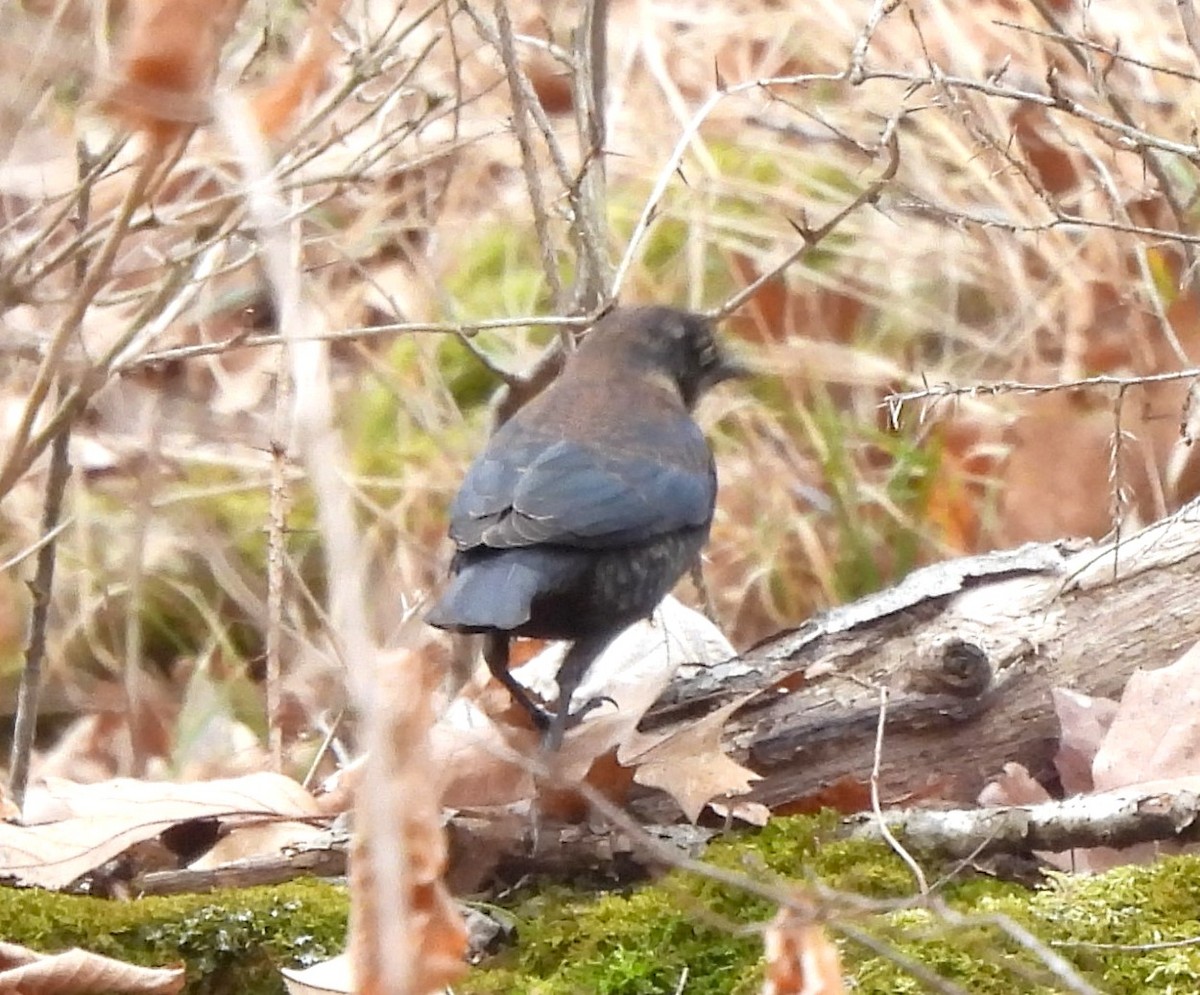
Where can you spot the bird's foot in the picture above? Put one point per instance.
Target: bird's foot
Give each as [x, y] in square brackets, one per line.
[563, 720]
[541, 719]
[589, 706]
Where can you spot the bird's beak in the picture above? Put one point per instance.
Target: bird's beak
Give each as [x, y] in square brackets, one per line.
[728, 368]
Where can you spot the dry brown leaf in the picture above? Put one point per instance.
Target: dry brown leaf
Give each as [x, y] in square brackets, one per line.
[167, 63]
[550, 82]
[77, 972]
[1153, 742]
[1084, 721]
[1155, 734]
[483, 756]
[847, 795]
[88, 749]
[765, 317]
[751, 813]
[276, 106]
[632, 673]
[690, 765]
[336, 793]
[73, 829]
[969, 456]
[258, 840]
[1053, 165]
[1060, 446]
[400, 841]
[801, 959]
[1015, 786]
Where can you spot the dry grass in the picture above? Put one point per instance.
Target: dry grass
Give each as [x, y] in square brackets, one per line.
[1017, 241]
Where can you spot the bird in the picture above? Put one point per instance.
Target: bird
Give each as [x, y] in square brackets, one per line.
[586, 507]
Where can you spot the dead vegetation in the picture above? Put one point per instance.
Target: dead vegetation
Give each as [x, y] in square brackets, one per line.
[262, 269]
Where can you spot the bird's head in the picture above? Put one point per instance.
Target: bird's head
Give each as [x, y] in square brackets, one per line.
[662, 343]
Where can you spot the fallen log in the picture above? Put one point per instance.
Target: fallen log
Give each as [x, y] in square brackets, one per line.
[968, 651]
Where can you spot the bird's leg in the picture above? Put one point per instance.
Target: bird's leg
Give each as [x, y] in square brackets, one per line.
[572, 671]
[495, 655]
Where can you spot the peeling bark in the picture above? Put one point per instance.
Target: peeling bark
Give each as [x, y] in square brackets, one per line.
[969, 651]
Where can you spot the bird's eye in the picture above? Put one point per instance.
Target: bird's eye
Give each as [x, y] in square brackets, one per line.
[708, 352]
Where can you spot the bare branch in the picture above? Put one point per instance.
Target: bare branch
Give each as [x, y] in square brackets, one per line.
[1191, 29]
[42, 588]
[858, 54]
[521, 98]
[20, 454]
[939, 391]
[813, 237]
[589, 223]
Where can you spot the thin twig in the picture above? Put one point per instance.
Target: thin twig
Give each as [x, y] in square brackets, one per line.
[1131, 137]
[46, 537]
[529, 164]
[21, 453]
[812, 237]
[858, 54]
[877, 807]
[944, 390]
[35, 650]
[1191, 29]
[13, 265]
[588, 225]
[277, 521]
[385, 860]
[889, 952]
[1095, 46]
[1063, 971]
[134, 679]
[464, 329]
[1118, 497]
[671, 167]
[42, 588]
[1165, 178]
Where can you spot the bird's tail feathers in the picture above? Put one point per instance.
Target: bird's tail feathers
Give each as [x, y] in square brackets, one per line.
[497, 591]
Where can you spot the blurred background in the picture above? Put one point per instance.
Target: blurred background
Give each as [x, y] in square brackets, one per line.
[1039, 230]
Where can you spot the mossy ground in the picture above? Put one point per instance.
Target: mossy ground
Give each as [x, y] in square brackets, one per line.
[229, 941]
[641, 942]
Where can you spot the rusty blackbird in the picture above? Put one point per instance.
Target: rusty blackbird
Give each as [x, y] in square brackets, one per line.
[587, 506]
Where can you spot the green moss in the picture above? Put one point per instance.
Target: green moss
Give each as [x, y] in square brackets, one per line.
[229, 941]
[664, 246]
[500, 272]
[1099, 925]
[1105, 927]
[469, 381]
[736, 160]
[238, 510]
[642, 941]
[387, 439]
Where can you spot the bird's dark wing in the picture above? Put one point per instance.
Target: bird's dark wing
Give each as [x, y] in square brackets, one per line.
[487, 491]
[578, 494]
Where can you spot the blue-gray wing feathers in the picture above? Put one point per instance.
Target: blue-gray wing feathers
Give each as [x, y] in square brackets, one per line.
[574, 494]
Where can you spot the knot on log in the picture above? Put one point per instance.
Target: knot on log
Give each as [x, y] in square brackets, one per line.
[958, 668]
[965, 669]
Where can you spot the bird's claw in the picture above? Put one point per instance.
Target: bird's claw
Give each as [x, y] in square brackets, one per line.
[559, 724]
[574, 718]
